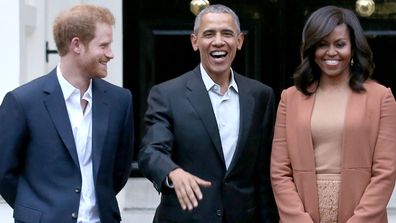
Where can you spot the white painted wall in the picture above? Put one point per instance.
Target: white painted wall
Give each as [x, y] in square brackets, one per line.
[10, 58]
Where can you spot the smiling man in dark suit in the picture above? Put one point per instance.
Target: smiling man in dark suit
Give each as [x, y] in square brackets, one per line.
[66, 138]
[208, 134]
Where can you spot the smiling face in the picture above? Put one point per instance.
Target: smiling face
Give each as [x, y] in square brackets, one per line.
[217, 40]
[97, 53]
[334, 52]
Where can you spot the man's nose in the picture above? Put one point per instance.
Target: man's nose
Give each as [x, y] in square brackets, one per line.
[109, 53]
[218, 39]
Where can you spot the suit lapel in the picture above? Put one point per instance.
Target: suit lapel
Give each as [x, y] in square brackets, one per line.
[246, 105]
[56, 107]
[199, 98]
[100, 118]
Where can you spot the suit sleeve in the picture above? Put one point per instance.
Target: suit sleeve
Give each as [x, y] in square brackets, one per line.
[379, 190]
[155, 153]
[290, 206]
[124, 153]
[268, 212]
[13, 134]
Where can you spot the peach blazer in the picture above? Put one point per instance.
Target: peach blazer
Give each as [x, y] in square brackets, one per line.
[368, 168]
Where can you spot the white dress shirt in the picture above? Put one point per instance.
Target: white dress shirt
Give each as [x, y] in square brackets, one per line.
[226, 109]
[81, 123]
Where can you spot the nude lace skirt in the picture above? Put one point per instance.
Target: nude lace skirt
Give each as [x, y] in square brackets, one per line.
[328, 190]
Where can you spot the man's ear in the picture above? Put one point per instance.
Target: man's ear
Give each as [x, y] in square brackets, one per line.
[241, 37]
[194, 41]
[75, 45]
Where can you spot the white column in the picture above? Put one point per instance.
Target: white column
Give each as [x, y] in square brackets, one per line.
[34, 18]
[11, 39]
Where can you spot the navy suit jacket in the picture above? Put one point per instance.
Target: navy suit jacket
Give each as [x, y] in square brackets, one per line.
[39, 170]
[182, 132]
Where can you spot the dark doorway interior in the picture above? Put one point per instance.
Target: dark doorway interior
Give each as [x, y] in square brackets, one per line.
[385, 61]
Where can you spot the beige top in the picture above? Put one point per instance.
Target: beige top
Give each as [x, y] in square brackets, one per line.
[327, 123]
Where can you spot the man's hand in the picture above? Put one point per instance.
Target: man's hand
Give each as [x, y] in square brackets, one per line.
[187, 188]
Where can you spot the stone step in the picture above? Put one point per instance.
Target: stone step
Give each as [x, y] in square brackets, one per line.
[138, 201]
[139, 193]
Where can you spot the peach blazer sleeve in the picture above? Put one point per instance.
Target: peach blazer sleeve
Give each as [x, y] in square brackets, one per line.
[290, 205]
[377, 193]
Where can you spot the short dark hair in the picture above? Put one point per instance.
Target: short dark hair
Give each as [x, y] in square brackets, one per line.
[319, 25]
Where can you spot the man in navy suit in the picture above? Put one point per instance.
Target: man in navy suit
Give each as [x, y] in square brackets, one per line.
[66, 138]
[208, 134]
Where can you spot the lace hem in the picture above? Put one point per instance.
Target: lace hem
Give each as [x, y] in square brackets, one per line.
[328, 188]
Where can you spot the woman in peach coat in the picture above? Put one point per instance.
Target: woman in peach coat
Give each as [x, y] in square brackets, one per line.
[334, 147]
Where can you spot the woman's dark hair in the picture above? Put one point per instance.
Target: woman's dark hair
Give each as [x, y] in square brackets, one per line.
[319, 25]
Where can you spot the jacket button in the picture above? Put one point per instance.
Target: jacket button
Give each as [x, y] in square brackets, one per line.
[77, 190]
[219, 213]
[74, 215]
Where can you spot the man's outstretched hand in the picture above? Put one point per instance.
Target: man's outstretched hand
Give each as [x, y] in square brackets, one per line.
[187, 188]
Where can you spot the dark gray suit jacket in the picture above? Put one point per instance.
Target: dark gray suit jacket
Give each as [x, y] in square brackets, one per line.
[39, 169]
[182, 132]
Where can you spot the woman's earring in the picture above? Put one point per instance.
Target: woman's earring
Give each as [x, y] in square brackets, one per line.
[352, 62]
